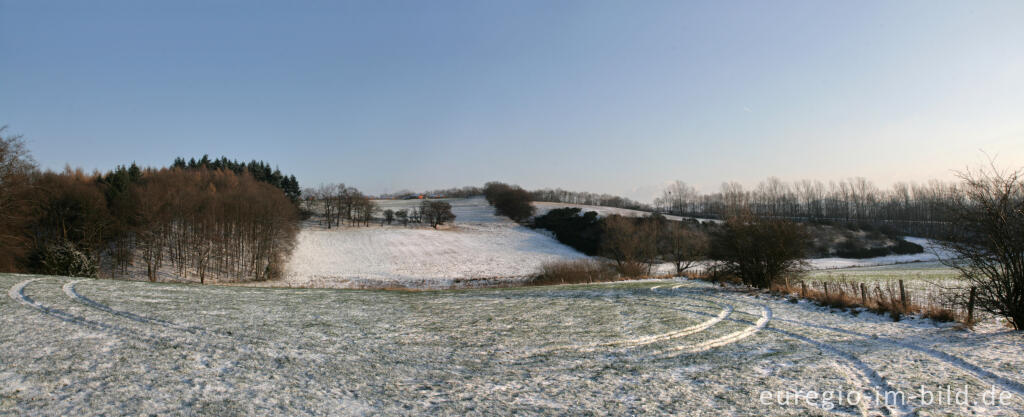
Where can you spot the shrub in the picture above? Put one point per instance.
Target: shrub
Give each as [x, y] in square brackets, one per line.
[631, 243]
[903, 247]
[988, 241]
[939, 314]
[760, 250]
[65, 259]
[575, 272]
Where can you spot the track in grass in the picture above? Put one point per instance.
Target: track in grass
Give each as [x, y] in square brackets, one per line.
[69, 290]
[17, 293]
[859, 373]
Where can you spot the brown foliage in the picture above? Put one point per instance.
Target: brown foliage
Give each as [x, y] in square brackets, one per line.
[575, 272]
[201, 223]
[16, 168]
[632, 244]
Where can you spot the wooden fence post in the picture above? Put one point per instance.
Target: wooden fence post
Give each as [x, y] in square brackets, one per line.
[970, 306]
[825, 286]
[803, 289]
[863, 295]
[903, 296]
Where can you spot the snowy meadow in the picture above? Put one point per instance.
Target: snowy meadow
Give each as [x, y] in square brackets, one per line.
[74, 346]
[478, 248]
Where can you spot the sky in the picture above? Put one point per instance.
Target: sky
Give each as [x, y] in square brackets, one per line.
[604, 96]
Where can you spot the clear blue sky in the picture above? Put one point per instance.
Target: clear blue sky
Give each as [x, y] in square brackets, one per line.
[616, 97]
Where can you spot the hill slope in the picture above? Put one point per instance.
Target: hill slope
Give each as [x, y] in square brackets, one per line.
[478, 249]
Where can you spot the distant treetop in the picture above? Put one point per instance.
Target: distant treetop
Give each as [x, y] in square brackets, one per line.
[260, 170]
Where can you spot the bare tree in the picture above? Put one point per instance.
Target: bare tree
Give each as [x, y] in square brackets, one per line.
[761, 250]
[631, 243]
[389, 216]
[988, 240]
[683, 246]
[16, 167]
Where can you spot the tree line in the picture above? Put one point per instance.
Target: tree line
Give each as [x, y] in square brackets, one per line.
[559, 195]
[195, 222]
[914, 209]
[337, 204]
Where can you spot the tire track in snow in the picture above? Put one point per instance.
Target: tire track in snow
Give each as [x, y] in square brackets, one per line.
[766, 316]
[69, 290]
[17, 293]
[939, 355]
[862, 374]
[643, 340]
[944, 357]
[244, 345]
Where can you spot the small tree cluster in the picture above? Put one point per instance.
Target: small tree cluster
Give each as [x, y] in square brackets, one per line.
[436, 213]
[509, 200]
[338, 203]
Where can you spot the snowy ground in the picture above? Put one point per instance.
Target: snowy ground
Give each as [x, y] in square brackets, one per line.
[91, 347]
[478, 249]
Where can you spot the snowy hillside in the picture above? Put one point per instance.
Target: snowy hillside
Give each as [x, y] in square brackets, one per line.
[105, 347]
[478, 249]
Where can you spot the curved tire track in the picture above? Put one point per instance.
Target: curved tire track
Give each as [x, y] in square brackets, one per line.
[69, 290]
[862, 375]
[766, 316]
[947, 358]
[17, 293]
[944, 357]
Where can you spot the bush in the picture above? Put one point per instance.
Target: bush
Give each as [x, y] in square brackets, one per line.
[903, 247]
[987, 244]
[760, 250]
[631, 243]
[580, 232]
[65, 259]
[853, 249]
[575, 272]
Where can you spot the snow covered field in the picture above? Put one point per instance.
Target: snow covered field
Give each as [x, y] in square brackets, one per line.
[478, 249]
[90, 347]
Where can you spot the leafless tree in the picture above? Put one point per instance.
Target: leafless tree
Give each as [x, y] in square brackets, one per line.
[16, 168]
[631, 243]
[683, 245]
[761, 250]
[988, 240]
